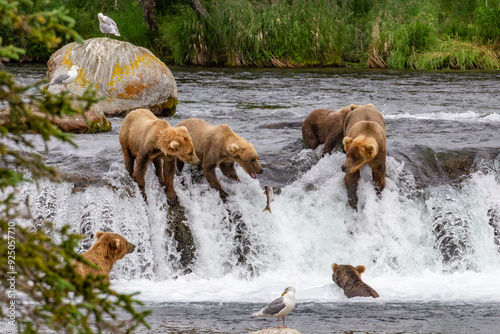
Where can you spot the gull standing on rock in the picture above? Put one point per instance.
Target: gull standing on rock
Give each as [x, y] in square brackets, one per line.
[280, 307]
[107, 25]
[65, 79]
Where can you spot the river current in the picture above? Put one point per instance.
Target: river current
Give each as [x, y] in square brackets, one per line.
[430, 244]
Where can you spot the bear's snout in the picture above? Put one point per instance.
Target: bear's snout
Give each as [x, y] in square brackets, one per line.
[344, 168]
[130, 248]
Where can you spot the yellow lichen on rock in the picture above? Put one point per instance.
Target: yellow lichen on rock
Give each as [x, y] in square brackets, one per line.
[126, 76]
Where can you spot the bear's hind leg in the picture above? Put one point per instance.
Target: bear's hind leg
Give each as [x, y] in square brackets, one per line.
[209, 172]
[310, 138]
[228, 170]
[157, 162]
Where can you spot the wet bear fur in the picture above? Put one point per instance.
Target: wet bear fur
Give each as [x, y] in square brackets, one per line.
[323, 126]
[108, 248]
[349, 279]
[364, 143]
[218, 145]
[144, 138]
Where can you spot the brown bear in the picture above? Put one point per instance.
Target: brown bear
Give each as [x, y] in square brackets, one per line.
[364, 143]
[323, 126]
[144, 137]
[219, 146]
[349, 279]
[108, 248]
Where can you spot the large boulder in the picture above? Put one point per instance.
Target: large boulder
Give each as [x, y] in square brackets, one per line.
[127, 76]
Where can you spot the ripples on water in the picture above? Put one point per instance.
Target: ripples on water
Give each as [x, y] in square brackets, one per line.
[431, 244]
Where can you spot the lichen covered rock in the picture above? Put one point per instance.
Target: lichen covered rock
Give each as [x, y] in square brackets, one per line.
[127, 76]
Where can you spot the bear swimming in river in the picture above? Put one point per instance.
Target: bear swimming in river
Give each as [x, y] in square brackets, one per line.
[349, 279]
[108, 248]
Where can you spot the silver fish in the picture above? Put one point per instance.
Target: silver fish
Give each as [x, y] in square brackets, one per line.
[269, 193]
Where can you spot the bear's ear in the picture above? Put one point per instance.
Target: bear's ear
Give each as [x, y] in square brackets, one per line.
[116, 243]
[234, 147]
[353, 106]
[99, 234]
[347, 142]
[335, 266]
[174, 145]
[360, 269]
[369, 105]
[370, 150]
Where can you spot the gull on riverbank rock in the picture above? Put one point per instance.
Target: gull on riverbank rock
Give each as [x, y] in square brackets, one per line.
[107, 25]
[126, 76]
[66, 78]
[280, 307]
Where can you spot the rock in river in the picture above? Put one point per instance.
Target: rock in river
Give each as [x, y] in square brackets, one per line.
[127, 76]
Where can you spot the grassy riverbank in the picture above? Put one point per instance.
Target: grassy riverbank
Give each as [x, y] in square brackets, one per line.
[401, 34]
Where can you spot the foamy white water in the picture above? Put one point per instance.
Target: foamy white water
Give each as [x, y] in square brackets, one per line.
[468, 116]
[310, 228]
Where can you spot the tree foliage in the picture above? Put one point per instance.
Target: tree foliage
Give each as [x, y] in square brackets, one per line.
[40, 288]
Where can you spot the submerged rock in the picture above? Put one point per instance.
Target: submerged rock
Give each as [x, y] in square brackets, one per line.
[93, 122]
[276, 330]
[453, 239]
[180, 231]
[127, 76]
[494, 222]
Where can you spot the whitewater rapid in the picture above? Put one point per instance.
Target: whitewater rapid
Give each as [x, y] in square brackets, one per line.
[310, 228]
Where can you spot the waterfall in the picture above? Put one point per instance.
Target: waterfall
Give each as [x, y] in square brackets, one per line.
[408, 233]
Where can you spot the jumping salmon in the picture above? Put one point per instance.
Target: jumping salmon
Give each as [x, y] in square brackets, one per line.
[269, 193]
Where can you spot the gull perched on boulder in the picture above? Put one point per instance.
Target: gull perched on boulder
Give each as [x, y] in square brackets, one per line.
[107, 25]
[65, 79]
[280, 307]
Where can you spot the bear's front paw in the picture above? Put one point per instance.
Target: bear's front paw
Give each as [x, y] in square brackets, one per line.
[172, 198]
[143, 193]
[223, 195]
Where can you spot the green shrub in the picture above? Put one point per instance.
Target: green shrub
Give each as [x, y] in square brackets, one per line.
[486, 23]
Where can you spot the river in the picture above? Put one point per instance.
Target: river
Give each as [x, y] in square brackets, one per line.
[431, 243]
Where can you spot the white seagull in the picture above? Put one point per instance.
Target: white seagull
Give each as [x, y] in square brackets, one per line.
[65, 79]
[280, 307]
[107, 25]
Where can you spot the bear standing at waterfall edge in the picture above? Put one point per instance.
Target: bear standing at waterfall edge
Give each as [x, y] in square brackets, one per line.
[144, 137]
[364, 143]
[219, 146]
[323, 126]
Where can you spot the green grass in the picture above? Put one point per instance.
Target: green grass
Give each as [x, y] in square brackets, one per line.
[457, 55]
[401, 34]
[239, 33]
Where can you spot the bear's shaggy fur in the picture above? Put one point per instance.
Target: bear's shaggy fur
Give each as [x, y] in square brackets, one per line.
[108, 248]
[349, 279]
[220, 146]
[364, 143]
[323, 126]
[144, 138]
